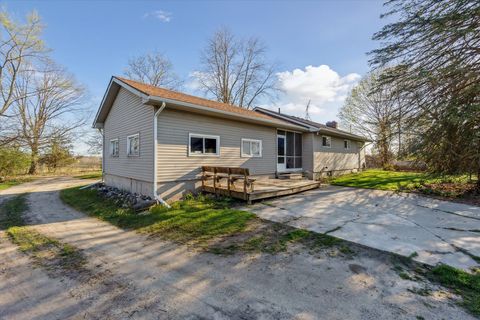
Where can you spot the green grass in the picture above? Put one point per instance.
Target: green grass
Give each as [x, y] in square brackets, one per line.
[13, 182]
[11, 212]
[394, 180]
[379, 179]
[465, 284]
[195, 219]
[90, 175]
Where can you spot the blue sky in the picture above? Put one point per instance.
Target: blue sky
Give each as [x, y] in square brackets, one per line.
[95, 39]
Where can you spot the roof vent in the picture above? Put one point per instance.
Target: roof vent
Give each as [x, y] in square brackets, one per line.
[332, 124]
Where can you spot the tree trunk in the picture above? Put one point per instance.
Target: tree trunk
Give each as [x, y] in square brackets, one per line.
[478, 180]
[33, 161]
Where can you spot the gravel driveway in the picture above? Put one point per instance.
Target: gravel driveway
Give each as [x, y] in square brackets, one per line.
[132, 276]
[430, 230]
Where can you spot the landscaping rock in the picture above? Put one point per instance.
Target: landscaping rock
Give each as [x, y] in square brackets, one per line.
[122, 198]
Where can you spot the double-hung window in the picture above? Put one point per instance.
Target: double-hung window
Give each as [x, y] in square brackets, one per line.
[114, 147]
[200, 144]
[326, 141]
[251, 148]
[133, 145]
[346, 144]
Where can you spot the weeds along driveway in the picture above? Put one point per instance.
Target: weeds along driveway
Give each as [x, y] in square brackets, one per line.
[131, 276]
[429, 230]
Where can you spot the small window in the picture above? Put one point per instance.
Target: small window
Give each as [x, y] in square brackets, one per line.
[203, 145]
[346, 144]
[326, 141]
[114, 147]
[251, 148]
[133, 145]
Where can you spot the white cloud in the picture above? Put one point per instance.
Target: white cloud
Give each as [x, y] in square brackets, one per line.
[324, 87]
[161, 15]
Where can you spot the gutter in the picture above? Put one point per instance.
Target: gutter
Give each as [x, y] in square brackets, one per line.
[155, 160]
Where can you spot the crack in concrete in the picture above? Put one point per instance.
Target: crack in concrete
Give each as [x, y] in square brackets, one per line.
[446, 211]
[462, 230]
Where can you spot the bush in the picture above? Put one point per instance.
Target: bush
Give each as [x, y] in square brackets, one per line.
[13, 161]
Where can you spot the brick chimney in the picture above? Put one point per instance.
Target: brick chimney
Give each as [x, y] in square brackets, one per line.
[332, 124]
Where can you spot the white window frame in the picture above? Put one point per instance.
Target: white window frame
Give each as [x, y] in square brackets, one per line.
[251, 155]
[137, 135]
[348, 144]
[203, 136]
[328, 138]
[112, 154]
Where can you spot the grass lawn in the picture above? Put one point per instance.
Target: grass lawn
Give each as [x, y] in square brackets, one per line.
[13, 182]
[379, 179]
[445, 186]
[89, 175]
[189, 220]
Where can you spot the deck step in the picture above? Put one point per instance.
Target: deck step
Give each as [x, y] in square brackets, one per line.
[291, 176]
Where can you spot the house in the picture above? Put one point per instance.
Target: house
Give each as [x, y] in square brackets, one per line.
[156, 140]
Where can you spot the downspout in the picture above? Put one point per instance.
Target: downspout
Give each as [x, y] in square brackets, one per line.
[103, 154]
[155, 156]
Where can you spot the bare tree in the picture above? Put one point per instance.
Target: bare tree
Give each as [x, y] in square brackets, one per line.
[95, 142]
[236, 71]
[371, 110]
[51, 113]
[19, 45]
[155, 69]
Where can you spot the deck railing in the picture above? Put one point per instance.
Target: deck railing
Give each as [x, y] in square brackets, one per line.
[232, 175]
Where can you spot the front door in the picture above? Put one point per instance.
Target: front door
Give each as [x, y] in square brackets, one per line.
[281, 146]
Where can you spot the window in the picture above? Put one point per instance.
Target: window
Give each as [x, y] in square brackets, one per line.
[200, 144]
[133, 145]
[251, 148]
[114, 147]
[346, 144]
[326, 141]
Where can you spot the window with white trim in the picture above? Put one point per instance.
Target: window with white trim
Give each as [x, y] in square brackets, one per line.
[346, 144]
[133, 145]
[200, 144]
[326, 141]
[114, 147]
[251, 148]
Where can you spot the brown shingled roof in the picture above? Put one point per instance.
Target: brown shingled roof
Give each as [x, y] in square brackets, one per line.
[182, 97]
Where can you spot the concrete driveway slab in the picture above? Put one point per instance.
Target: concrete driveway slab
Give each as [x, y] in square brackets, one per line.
[431, 230]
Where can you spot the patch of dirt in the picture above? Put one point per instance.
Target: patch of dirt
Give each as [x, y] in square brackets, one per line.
[457, 192]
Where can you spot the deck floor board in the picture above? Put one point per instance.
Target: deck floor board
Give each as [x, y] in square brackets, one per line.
[263, 188]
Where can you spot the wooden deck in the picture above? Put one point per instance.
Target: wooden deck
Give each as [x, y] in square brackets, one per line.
[263, 188]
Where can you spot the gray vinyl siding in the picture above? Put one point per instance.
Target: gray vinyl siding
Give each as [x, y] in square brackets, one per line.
[307, 152]
[174, 163]
[129, 116]
[336, 157]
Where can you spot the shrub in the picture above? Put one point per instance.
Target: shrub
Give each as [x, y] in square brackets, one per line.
[13, 161]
